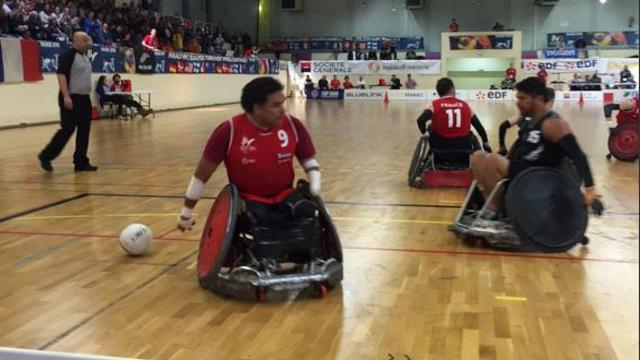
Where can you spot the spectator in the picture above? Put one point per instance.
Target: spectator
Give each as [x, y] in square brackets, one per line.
[335, 83]
[392, 51]
[373, 55]
[596, 81]
[125, 100]
[107, 39]
[194, 47]
[150, 42]
[308, 84]
[497, 27]
[453, 26]
[347, 83]
[493, 87]
[542, 74]
[178, 39]
[323, 83]
[361, 83]
[411, 54]
[89, 25]
[410, 84]
[395, 83]
[625, 75]
[5, 13]
[511, 72]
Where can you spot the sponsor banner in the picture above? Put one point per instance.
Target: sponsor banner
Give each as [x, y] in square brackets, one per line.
[563, 65]
[422, 67]
[476, 42]
[560, 53]
[419, 95]
[598, 38]
[492, 95]
[111, 59]
[106, 60]
[340, 43]
[325, 94]
[574, 96]
[49, 53]
[363, 94]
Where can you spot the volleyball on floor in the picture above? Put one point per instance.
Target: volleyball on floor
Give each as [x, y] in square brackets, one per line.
[136, 239]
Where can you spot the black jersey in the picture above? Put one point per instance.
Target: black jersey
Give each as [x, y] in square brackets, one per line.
[532, 148]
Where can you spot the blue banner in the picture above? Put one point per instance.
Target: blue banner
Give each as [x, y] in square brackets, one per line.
[596, 38]
[111, 59]
[105, 59]
[334, 43]
[325, 94]
[560, 53]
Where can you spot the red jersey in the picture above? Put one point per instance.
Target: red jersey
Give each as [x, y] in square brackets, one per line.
[629, 116]
[335, 84]
[347, 85]
[542, 75]
[260, 162]
[151, 41]
[511, 73]
[451, 117]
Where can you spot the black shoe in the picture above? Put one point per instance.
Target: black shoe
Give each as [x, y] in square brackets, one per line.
[86, 167]
[45, 164]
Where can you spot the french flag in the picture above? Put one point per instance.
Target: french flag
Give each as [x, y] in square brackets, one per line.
[19, 60]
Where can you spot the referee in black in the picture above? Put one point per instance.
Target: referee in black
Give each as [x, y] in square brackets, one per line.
[74, 80]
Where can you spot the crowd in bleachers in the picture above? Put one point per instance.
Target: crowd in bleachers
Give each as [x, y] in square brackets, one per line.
[126, 25]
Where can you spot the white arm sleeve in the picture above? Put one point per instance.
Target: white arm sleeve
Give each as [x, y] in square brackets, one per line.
[195, 189]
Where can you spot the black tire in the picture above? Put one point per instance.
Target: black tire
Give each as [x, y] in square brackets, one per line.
[417, 166]
[547, 209]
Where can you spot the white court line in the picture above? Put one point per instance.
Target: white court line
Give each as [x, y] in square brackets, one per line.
[27, 354]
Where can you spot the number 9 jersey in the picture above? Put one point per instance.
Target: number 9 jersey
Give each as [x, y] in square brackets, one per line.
[451, 117]
[260, 162]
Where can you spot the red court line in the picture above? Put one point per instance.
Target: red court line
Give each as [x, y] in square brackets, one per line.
[11, 232]
[423, 251]
[504, 254]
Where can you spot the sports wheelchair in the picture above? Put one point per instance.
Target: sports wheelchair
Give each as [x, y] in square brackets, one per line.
[544, 211]
[242, 258]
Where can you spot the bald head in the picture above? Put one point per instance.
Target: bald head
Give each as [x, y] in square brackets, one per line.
[81, 41]
[626, 105]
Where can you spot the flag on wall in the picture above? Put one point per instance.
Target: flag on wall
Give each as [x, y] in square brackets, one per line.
[19, 60]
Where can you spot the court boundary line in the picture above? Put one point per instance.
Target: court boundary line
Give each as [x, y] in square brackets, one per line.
[43, 207]
[115, 302]
[162, 196]
[470, 252]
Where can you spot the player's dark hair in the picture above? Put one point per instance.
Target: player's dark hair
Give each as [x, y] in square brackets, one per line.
[533, 86]
[550, 95]
[257, 91]
[443, 86]
[116, 76]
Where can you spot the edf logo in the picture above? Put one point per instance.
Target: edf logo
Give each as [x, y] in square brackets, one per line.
[497, 95]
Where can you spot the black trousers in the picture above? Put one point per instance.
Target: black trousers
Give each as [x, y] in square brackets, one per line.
[295, 206]
[121, 100]
[79, 117]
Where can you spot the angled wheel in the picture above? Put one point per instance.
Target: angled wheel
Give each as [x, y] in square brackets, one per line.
[217, 235]
[547, 209]
[417, 166]
[623, 143]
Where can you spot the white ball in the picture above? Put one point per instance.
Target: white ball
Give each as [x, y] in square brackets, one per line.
[136, 239]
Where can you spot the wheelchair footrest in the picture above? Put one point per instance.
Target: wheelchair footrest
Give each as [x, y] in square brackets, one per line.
[448, 178]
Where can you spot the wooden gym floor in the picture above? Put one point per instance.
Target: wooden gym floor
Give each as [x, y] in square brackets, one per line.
[411, 290]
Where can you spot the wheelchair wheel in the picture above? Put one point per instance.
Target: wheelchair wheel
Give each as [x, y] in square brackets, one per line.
[547, 209]
[623, 144]
[217, 235]
[416, 168]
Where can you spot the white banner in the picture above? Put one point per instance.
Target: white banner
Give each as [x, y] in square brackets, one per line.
[574, 96]
[358, 94]
[492, 95]
[419, 95]
[387, 67]
[561, 65]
